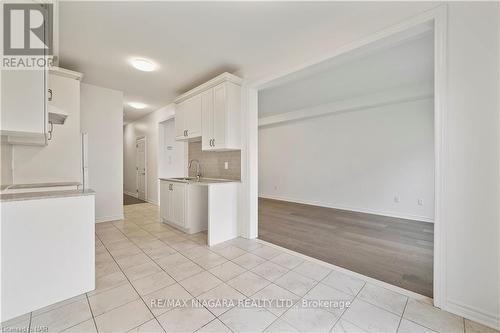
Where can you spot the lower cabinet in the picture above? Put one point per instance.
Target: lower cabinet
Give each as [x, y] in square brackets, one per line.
[184, 206]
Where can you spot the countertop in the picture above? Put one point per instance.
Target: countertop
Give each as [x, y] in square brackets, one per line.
[202, 181]
[38, 185]
[44, 195]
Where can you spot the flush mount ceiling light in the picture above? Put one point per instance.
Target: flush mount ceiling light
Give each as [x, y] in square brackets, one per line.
[142, 64]
[137, 105]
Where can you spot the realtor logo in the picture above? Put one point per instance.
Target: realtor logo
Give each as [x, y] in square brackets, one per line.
[27, 29]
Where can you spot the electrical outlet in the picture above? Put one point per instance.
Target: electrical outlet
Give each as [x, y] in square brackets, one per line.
[420, 202]
[396, 199]
[226, 165]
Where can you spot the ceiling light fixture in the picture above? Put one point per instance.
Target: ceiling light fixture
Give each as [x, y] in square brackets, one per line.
[142, 64]
[137, 105]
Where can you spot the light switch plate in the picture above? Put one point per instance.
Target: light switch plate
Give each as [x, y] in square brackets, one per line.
[226, 165]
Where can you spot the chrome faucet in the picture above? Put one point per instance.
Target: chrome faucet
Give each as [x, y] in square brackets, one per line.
[198, 174]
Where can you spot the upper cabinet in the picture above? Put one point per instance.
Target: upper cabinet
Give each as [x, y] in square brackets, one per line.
[24, 105]
[212, 112]
[33, 101]
[188, 119]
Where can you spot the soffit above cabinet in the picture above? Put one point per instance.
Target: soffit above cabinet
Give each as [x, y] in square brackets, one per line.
[224, 77]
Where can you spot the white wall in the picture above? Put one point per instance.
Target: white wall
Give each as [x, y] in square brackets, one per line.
[60, 160]
[102, 119]
[471, 182]
[171, 153]
[359, 160]
[148, 126]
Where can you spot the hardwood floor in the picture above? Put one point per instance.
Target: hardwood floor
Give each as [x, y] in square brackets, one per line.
[130, 200]
[393, 250]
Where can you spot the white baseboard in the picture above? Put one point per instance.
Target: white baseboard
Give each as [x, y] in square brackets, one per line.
[352, 209]
[108, 218]
[132, 194]
[474, 314]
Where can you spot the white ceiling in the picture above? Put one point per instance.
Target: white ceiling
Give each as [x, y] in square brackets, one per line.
[406, 63]
[194, 41]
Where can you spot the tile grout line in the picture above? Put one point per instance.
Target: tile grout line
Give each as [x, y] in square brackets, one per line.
[176, 281]
[131, 286]
[354, 298]
[402, 314]
[206, 270]
[92, 313]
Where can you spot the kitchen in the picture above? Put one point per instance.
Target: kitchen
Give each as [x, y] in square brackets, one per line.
[137, 106]
[209, 113]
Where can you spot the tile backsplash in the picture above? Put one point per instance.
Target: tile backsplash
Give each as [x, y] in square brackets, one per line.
[212, 163]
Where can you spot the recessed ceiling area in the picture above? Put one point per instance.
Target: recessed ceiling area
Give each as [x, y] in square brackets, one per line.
[191, 42]
[406, 63]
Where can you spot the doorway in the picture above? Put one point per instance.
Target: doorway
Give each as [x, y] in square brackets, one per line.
[433, 21]
[140, 167]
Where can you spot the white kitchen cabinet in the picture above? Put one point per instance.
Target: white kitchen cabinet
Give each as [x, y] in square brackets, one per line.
[221, 121]
[188, 119]
[183, 206]
[24, 106]
[212, 111]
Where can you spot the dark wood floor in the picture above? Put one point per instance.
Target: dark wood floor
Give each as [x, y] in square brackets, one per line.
[393, 250]
[130, 200]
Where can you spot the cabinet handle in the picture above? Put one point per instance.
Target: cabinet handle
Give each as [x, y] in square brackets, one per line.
[50, 95]
[210, 143]
[213, 142]
[185, 132]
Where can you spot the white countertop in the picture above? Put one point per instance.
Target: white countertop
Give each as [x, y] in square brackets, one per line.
[202, 181]
[44, 195]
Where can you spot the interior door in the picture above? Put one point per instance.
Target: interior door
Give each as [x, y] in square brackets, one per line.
[140, 167]
[219, 136]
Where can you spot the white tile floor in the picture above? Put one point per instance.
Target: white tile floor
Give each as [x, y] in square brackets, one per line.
[141, 262]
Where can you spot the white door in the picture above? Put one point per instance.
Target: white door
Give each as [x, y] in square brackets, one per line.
[140, 167]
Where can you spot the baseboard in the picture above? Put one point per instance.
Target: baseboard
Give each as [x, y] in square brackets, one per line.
[152, 202]
[473, 314]
[132, 194]
[352, 209]
[108, 218]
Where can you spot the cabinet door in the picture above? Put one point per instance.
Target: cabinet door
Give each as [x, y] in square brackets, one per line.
[23, 102]
[178, 204]
[164, 200]
[180, 120]
[219, 112]
[207, 119]
[193, 116]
